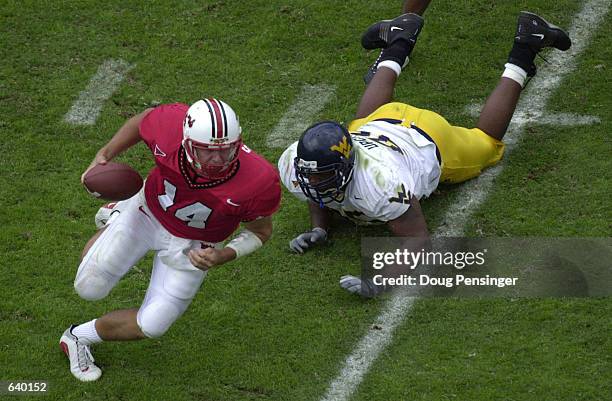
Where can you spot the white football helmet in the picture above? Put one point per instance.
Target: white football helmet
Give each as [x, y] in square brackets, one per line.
[212, 138]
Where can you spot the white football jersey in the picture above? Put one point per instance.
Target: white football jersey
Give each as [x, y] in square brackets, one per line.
[392, 163]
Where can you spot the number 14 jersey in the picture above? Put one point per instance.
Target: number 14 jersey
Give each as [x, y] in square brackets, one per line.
[189, 206]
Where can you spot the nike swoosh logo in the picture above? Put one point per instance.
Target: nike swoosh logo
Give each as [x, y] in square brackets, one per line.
[140, 208]
[159, 152]
[229, 202]
[539, 35]
[396, 28]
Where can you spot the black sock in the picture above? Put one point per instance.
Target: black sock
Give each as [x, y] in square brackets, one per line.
[398, 52]
[523, 56]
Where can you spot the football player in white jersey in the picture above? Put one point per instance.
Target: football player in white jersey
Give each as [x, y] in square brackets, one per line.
[393, 154]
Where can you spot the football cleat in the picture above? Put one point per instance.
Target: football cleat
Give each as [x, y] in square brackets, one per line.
[81, 361]
[405, 28]
[105, 213]
[369, 75]
[536, 32]
[386, 32]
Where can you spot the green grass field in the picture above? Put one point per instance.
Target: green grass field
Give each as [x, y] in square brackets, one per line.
[276, 326]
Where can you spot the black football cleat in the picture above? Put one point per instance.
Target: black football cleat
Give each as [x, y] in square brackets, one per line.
[386, 32]
[369, 75]
[534, 33]
[537, 33]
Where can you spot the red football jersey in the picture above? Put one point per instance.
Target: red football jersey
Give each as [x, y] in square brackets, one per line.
[189, 206]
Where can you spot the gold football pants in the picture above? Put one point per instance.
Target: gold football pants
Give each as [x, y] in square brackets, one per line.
[464, 152]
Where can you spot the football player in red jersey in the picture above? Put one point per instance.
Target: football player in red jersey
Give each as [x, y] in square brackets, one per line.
[205, 183]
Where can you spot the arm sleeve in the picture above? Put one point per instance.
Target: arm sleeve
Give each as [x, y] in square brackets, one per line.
[395, 202]
[161, 123]
[266, 201]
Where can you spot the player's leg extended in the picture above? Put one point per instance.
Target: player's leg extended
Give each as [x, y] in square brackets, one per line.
[415, 6]
[118, 247]
[109, 255]
[397, 37]
[533, 34]
[378, 92]
[170, 292]
[104, 216]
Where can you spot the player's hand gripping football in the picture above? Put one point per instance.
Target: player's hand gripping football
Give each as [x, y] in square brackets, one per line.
[308, 239]
[99, 159]
[206, 258]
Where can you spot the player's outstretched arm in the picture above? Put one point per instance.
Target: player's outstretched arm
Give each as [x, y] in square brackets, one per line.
[412, 226]
[319, 216]
[415, 6]
[412, 223]
[127, 136]
[319, 221]
[261, 227]
[252, 237]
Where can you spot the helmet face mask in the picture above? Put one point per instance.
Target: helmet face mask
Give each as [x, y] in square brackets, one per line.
[323, 185]
[212, 161]
[324, 162]
[212, 138]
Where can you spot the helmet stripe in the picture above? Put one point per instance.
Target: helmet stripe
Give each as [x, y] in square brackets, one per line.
[224, 119]
[212, 118]
[219, 120]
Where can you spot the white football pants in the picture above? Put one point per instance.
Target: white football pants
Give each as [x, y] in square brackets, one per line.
[126, 240]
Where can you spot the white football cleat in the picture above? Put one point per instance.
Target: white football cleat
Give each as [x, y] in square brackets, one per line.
[81, 361]
[105, 213]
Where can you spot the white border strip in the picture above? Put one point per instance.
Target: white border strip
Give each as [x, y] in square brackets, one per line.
[311, 100]
[103, 84]
[471, 196]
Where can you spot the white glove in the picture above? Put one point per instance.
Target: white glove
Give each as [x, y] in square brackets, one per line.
[306, 240]
[351, 283]
[355, 285]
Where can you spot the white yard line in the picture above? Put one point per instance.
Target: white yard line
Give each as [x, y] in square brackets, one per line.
[103, 84]
[311, 100]
[471, 195]
[554, 119]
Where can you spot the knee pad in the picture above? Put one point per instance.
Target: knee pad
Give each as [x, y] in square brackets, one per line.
[93, 285]
[102, 268]
[113, 257]
[156, 318]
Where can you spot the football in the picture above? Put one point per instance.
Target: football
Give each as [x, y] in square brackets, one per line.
[112, 181]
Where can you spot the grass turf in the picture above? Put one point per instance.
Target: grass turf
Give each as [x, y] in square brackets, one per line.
[276, 326]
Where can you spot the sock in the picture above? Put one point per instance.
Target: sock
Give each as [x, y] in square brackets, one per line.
[394, 57]
[397, 52]
[394, 65]
[515, 73]
[86, 333]
[522, 56]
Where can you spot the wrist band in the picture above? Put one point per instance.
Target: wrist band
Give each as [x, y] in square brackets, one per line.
[245, 243]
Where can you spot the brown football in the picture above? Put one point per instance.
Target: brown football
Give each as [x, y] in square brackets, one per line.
[112, 181]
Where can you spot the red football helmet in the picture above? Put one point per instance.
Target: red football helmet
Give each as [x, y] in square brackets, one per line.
[212, 138]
